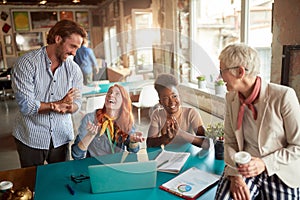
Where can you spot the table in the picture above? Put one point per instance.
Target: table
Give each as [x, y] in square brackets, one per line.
[21, 177]
[51, 179]
[115, 74]
[92, 90]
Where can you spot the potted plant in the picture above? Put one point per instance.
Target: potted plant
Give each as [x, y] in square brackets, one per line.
[216, 132]
[201, 82]
[220, 87]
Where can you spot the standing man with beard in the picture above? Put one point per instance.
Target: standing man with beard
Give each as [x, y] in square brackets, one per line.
[46, 83]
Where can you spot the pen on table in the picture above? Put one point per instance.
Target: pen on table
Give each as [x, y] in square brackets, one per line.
[161, 164]
[71, 190]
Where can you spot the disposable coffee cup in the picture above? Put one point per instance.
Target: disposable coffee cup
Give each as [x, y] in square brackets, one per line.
[5, 185]
[242, 157]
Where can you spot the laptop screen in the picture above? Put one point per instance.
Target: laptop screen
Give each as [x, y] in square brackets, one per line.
[122, 176]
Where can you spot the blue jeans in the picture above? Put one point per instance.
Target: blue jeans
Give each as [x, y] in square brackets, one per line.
[87, 78]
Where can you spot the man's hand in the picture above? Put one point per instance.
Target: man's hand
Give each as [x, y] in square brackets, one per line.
[72, 94]
[62, 107]
[67, 105]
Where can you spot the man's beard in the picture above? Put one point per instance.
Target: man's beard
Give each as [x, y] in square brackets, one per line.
[59, 53]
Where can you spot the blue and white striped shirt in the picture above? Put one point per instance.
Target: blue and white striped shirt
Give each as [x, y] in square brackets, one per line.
[33, 83]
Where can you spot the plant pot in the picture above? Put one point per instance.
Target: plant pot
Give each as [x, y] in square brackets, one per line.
[219, 149]
[202, 84]
[220, 89]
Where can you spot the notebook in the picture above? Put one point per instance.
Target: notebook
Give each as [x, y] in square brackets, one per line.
[122, 176]
[171, 162]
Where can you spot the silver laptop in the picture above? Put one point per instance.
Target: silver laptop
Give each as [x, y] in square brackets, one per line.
[122, 176]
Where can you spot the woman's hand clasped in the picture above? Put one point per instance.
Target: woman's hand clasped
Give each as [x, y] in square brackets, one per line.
[170, 128]
[137, 137]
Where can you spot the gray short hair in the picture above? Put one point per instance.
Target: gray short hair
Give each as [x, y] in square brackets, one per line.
[241, 55]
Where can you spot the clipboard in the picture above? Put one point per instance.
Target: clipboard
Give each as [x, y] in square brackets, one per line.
[191, 184]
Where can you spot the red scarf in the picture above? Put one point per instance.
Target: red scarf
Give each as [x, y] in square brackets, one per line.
[249, 102]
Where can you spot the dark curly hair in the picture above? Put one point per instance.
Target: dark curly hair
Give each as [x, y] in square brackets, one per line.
[165, 81]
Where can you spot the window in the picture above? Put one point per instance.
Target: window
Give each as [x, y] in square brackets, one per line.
[143, 38]
[28, 41]
[217, 23]
[111, 46]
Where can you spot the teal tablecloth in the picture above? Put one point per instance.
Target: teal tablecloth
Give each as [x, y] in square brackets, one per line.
[51, 179]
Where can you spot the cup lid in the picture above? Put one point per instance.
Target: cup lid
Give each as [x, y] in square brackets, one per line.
[6, 185]
[242, 157]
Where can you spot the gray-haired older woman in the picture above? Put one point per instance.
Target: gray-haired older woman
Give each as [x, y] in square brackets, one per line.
[264, 120]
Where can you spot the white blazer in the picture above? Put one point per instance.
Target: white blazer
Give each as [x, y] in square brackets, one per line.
[278, 135]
